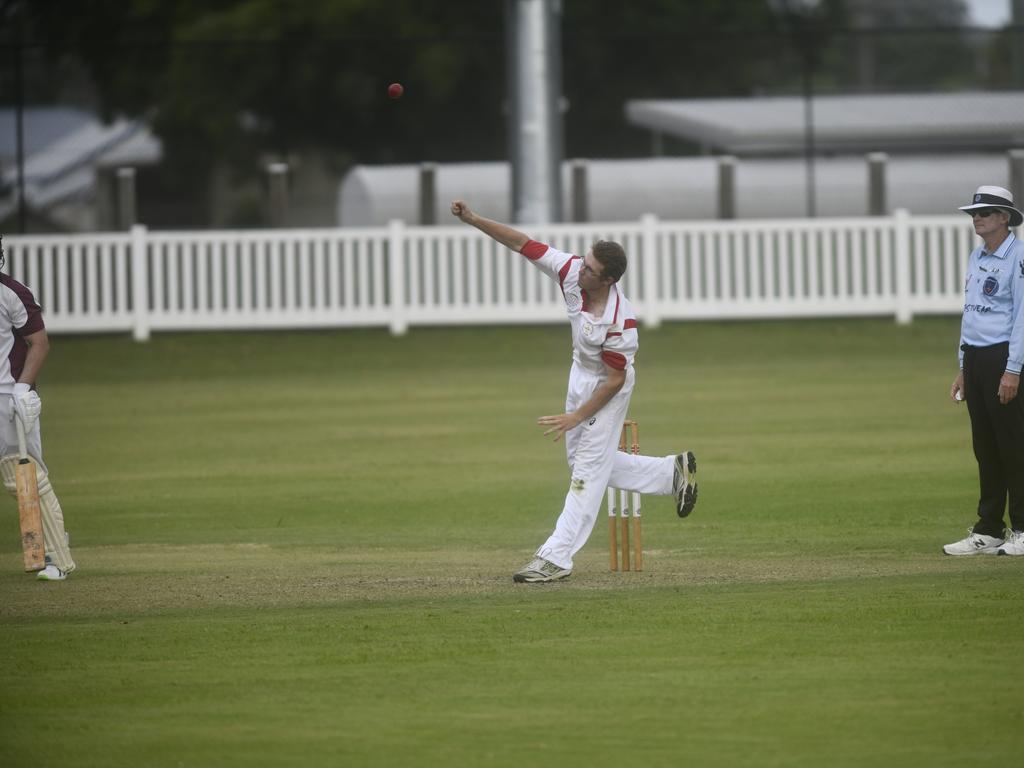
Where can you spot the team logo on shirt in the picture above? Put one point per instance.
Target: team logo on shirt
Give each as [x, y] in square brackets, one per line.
[573, 302]
[587, 329]
[990, 287]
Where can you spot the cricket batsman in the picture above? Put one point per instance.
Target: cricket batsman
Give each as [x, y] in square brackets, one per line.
[23, 348]
[604, 341]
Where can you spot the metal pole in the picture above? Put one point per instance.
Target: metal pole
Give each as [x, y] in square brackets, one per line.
[801, 17]
[1017, 42]
[19, 119]
[809, 125]
[535, 115]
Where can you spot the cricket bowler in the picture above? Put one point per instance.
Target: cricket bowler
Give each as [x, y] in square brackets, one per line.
[601, 380]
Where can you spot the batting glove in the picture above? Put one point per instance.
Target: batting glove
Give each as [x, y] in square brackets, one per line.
[27, 405]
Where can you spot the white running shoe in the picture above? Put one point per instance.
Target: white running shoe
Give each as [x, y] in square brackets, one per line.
[974, 544]
[540, 570]
[1014, 544]
[684, 483]
[51, 573]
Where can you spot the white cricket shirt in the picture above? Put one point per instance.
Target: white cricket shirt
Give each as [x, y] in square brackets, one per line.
[609, 339]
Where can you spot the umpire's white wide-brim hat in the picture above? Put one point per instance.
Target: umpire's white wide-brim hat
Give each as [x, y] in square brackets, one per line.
[995, 197]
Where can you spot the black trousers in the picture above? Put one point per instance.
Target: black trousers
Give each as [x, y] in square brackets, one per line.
[998, 435]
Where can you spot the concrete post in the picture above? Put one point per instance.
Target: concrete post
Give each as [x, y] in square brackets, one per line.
[126, 210]
[727, 187]
[877, 187]
[580, 193]
[428, 194]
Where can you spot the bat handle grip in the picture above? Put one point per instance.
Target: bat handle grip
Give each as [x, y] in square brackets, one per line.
[22, 450]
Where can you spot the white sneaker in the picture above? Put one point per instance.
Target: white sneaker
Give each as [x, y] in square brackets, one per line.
[974, 544]
[51, 573]
[539, 570]
[1014, 544]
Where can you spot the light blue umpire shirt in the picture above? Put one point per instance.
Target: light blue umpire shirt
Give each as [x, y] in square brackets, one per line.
[994, 300]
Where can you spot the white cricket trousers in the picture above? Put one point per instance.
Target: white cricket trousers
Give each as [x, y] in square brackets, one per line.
[595, 462]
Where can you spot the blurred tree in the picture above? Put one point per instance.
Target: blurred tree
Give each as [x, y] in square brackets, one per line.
[233, 82]
[912, 44]
[229, 84]
[656, 49]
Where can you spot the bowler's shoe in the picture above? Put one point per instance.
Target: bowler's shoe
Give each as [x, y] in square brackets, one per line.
[684, 483]
[540, 570]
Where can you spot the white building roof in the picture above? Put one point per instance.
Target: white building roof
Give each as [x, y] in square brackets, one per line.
[681, 188]
[64, 148]
[900, 122]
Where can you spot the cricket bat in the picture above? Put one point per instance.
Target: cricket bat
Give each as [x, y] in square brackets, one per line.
[28, 506]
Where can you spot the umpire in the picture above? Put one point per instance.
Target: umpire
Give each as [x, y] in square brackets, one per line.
[991, 353]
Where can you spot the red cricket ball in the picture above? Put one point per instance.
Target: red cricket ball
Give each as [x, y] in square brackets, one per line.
[395, 90]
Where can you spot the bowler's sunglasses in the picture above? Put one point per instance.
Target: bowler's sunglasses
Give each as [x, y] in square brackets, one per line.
[983, 213]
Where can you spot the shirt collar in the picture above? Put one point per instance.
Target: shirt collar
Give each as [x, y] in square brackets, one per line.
[1000, 252]
[611, 308]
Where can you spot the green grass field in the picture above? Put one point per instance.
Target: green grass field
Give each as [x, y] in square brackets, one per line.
[297, 549]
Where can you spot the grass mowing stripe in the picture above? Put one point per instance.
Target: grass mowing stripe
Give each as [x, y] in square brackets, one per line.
[825, 667]
[313, 559]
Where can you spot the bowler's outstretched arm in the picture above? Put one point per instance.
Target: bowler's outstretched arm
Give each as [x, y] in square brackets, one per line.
[504, 234]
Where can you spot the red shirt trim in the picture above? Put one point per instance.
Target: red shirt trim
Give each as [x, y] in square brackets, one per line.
[614, 360]
[565, 270]
[533, 250]
[630, 323]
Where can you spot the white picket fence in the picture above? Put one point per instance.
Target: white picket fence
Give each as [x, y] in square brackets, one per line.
[400, 276]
